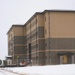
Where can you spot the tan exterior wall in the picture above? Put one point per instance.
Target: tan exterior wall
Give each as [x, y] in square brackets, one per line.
[28, 28]
[62, 25]
[18, 31]
[40, 20]
[49, 33]
[24, 30]
[10, 35]
[33, 23]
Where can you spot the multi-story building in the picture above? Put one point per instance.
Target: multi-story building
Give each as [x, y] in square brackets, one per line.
[16, 42]
[46, 38]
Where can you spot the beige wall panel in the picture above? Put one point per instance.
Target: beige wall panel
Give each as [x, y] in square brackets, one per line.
[40, 20]
[62, 25]
[27, 28]
[27, 32]
[24, 31]
[18, 31]
[33, 23]
[33, 42]
[33, 28]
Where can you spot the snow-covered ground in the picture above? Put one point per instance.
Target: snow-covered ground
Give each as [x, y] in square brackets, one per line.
[2, 72]
[43, 70]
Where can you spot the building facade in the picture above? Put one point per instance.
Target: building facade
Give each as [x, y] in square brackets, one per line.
[16, 43]
[48, 37]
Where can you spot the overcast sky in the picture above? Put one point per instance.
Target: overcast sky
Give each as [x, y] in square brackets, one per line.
[19, 11]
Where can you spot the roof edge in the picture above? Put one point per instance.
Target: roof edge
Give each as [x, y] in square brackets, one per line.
[16, 25]
[52, 10]
[58, 10]
[33, 17]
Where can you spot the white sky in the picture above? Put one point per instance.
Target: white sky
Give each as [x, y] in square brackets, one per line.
[19, 11]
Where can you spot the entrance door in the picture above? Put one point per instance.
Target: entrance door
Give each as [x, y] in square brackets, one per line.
[65, 59]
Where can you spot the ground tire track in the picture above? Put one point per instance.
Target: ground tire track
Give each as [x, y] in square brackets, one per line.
[12, 72]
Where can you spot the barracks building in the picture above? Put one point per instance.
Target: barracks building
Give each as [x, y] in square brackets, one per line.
[47, 38]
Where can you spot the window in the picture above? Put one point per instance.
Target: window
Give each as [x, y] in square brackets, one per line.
[63, 59]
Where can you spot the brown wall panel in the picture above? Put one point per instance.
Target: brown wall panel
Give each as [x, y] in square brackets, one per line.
[40, 32]
[40, 20]
[19, 50]
[19, 39]
[60, 43]
[41, 44]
